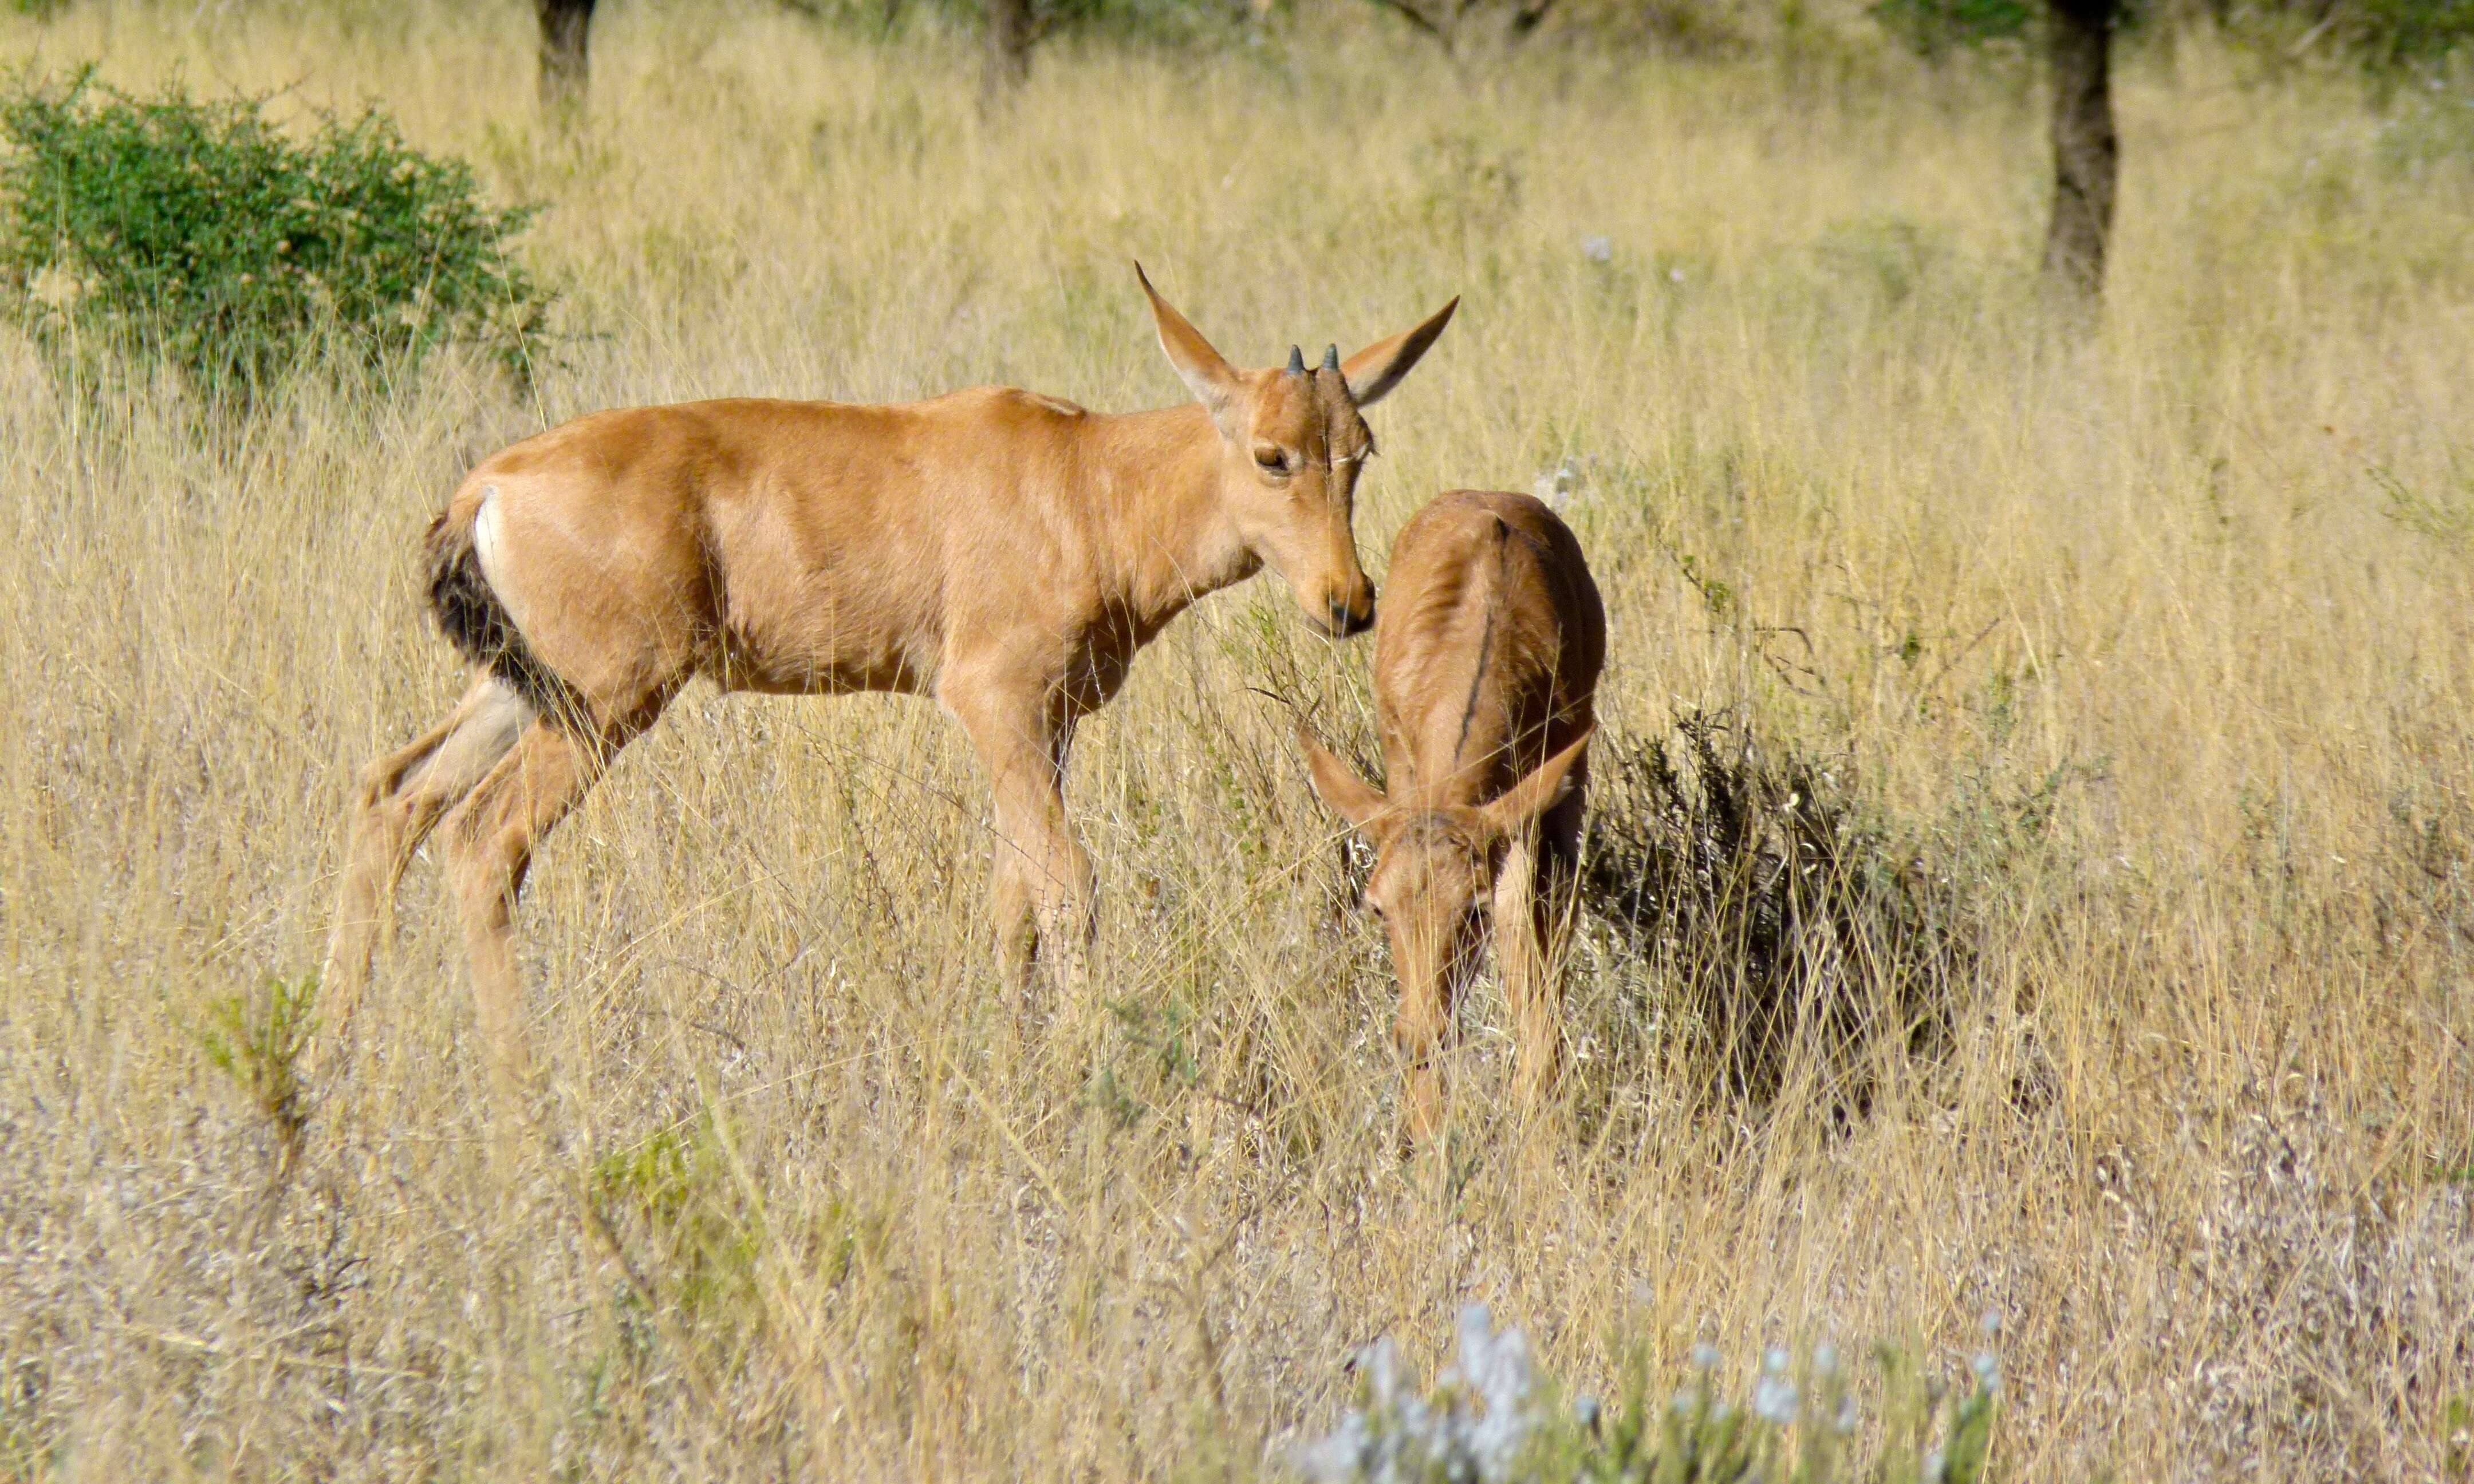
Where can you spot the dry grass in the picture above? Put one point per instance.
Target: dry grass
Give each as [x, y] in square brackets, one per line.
[2145, 660]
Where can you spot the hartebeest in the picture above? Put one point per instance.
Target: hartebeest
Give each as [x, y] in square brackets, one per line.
[1004, 552]
[1486, 675]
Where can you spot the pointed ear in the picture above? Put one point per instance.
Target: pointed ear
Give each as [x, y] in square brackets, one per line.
[1350, 796]
[1213, 381]
[1374, 371]
[1524, 801]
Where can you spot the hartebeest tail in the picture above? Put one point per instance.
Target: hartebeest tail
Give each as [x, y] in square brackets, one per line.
[1486, 671]
[476, 623]
[1003, 552]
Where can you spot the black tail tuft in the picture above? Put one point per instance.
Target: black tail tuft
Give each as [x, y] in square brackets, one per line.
[476, 623]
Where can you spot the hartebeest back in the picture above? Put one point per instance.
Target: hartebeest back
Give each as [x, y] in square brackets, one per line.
[1003, 552]
[1486, 675]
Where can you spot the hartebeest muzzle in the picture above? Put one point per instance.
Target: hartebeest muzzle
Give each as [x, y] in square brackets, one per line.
[1353, 615]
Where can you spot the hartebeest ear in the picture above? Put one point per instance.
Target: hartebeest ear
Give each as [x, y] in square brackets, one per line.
[1212, 380]
[1374, 371]
[1520, 805]
[1350, 796]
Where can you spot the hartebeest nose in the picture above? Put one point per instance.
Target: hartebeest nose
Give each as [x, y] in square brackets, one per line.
[1353, 615]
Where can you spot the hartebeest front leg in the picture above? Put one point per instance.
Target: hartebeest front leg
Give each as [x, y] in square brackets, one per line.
[1421, 1034]
[1042, 881]
[1534, 915]
[1521, 930]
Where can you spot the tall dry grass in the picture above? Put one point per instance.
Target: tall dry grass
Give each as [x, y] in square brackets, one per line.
[2142, 660]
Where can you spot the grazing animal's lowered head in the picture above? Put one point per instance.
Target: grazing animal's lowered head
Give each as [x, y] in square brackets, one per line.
[1486, 675]
[1293, 445]
[1436, 867]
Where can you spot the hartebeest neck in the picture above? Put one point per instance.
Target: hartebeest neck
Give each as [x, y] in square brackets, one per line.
[1152, 481]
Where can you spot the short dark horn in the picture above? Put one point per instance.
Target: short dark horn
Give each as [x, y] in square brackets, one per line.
[1296, 362]
[1331, 358]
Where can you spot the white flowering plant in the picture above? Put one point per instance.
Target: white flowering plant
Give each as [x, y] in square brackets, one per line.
[1492, 1419]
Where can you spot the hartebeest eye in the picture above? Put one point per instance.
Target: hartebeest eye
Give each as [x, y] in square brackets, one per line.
[1271, 459]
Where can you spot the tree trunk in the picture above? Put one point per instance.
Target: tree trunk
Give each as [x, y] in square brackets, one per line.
[565, 61]
[2084, 148]
[1011, 31]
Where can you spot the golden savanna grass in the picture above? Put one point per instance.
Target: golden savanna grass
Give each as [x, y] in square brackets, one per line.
[2145, 651]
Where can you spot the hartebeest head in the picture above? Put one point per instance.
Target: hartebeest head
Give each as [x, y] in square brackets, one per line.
[1292, 447]
[1435, 868]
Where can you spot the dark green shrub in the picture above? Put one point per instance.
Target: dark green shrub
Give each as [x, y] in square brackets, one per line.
[1751, 883]
[2409, 36]
[1162, 22]
[1932, 28]
[200, 237]
[2383, 36]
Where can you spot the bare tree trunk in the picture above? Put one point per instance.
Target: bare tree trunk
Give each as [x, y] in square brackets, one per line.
[1012, 29]
[2084, 148]
[565, 61]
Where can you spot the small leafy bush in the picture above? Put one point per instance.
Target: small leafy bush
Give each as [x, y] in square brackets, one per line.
[2390, 40]
[201, 238]
[257, 1040]
[1167, 22]
[676, 1190]
[1935, 28]
[2385, 37]
[1492, 1419]
[1746, 877]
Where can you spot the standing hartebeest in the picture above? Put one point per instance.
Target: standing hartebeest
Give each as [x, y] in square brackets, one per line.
[1004, 552]
[1486, 675]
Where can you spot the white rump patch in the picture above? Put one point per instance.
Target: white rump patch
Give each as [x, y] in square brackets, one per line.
[489, 545]
[486, 536]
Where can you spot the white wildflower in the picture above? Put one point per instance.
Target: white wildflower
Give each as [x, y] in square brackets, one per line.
[1774, 1400]
[1558, 486]
[1474, 1430]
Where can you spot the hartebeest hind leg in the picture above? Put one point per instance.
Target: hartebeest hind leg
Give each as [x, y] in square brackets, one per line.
[1042, 883]
[490, 840]
[402, 795]
[1534, 908]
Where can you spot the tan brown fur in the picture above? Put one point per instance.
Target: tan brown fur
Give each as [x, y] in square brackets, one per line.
[1486, 671]
[1003, 552]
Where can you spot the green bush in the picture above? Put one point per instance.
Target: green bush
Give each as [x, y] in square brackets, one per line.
[200, 237]
[1932, 28]
[2383, 36]
[2402, 36]
[1175, 23]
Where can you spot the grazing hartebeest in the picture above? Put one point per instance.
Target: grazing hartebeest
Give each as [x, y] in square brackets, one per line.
[1004, 552]
[1486, 675]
